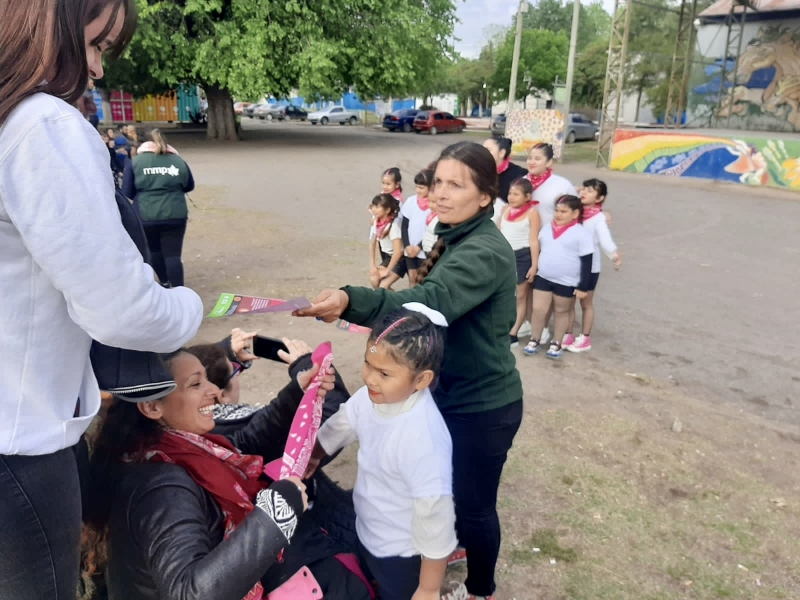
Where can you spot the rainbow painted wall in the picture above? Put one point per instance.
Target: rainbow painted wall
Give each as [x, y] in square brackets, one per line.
[751, 161]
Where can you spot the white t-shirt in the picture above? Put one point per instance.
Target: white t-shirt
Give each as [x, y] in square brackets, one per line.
[430, 235]
[401, 458]
[69, 273]
[560, 259]
[387, 241]
[547, 194]
[416, 222]
[597, 226]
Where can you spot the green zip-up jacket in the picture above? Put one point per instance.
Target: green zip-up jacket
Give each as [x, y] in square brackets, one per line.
[473, 285]
[161, 182]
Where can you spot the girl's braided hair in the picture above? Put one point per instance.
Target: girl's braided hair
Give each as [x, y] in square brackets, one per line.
[483, 168]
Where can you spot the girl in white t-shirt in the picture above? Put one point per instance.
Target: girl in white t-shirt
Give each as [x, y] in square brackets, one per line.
[593, 196]
[415, 213]
[405, 517]
[520, 224]
[387, 239]
[391, 183]
[547, 186]
[564, 271]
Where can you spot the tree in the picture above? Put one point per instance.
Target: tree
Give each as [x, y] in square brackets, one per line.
[543, 56]
[256, 48]
[552, 15]
[590, 74]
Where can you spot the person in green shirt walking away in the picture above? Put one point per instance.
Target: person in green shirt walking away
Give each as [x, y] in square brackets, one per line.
[470, 277]
[157, 180]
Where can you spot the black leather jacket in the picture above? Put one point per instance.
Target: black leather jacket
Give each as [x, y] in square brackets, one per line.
[166, 532]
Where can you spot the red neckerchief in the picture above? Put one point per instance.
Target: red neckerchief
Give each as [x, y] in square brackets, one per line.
[503, 166]
[232, 478]
[590, 211]
[398, 195]
[558, 230]
[516, 214]
[538, 180]
[431, 217]
[423, 203]
[382, 227]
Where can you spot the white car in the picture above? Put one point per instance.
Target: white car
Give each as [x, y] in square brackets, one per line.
[334, 114]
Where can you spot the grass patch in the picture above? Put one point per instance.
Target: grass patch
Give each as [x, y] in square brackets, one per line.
[542, 544]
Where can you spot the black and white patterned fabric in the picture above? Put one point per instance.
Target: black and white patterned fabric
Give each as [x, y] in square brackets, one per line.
[234, 412]
[279, 510]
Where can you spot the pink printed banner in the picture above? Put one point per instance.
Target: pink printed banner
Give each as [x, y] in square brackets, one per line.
[237, 304]
[307, 419]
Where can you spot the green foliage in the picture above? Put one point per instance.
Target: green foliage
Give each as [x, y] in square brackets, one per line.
[552, 15]
[543, 56]
[590, 74]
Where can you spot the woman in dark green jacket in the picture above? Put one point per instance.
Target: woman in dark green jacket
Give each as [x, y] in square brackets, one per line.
[157, 180]
[470, 277]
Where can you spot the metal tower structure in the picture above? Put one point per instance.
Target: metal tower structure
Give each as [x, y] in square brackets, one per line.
[735, 22]
[681, 64]
[615, 78]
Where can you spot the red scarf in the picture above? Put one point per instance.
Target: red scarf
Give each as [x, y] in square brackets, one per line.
[503, 166]
[382, 227]
[398, 195]
[216, 466]
[423, 203]
[590, 211]
[558, 230]
[431, 217]
[516, 214]
[538, 180]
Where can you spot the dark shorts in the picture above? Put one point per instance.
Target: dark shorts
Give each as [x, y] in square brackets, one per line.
[593, 282]
[524, 263]
[544, 285]
[400, 268]
[412, 264]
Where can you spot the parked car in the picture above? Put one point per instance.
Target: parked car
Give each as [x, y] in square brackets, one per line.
[334, 114]
[250, 110]
[269, 112]
[438, 122]
[400, 120]
[580, 128]
[238, 107]
[498, 125]
[293, 113]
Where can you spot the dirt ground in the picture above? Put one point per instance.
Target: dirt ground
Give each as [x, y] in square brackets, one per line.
[662, 464]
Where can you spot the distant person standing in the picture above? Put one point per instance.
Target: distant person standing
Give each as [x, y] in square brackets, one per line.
[157, 180]
[87, 105]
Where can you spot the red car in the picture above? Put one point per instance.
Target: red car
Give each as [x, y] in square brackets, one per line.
[438, 122]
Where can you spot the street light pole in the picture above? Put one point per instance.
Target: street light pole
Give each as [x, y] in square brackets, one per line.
[512, 89]
[573, 42]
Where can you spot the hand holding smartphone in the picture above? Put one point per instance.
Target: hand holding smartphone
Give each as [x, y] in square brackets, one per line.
[266, 347]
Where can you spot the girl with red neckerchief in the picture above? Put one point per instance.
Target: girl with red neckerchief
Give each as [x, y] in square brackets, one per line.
[547, 186]
[415, 213]
[387, 239]
[520, 224]
[507, 172]
[564, 271]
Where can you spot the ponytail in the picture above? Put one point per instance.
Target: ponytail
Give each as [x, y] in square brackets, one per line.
[433, 257]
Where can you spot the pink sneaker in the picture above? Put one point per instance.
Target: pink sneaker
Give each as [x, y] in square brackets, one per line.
[567, 340]
[582, 343]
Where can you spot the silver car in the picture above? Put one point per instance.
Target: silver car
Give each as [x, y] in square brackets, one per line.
[334, 114]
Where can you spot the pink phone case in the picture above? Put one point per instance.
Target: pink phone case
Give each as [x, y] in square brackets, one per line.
[301, 586]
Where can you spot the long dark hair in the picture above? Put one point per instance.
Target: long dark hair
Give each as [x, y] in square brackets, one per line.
[44, 41]
[574, 203]
[483, 169]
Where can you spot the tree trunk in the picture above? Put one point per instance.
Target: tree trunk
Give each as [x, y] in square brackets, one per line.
[638, 103]
[221, 118]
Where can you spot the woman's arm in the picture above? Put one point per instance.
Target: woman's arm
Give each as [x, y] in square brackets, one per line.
[169, 524]
[64, 210]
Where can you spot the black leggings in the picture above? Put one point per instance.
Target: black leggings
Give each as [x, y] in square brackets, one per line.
[166, 245]
[481, 442]
[40, 526]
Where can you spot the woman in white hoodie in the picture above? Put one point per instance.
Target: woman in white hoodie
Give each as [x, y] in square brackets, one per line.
[69, 273]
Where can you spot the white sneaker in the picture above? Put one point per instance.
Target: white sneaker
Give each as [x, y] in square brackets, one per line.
[545, 337]
[525, 330]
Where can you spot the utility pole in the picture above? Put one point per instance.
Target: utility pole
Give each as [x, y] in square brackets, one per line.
[512, 88]
[573, 43]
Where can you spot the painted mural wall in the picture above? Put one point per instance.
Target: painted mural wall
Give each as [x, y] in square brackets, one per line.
[526, 128]
[766, 82]
[747, 160]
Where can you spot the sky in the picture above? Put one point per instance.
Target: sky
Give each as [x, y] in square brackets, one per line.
[477, 17]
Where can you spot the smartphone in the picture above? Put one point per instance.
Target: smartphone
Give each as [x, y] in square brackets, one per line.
[266, 347]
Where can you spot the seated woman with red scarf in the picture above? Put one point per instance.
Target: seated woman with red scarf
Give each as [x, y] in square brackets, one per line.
[190, 515]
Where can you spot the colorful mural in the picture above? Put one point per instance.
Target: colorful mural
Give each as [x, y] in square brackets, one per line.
[526, 128]
[752, 161]
[765, 85]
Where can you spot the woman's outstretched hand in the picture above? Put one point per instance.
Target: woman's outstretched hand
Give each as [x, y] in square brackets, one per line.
[304, 379]
[328, 306]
